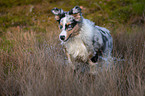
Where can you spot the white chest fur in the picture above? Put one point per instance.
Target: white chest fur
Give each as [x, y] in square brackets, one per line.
[77, 49]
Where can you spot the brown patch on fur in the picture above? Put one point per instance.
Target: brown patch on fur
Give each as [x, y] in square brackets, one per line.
[57, 17]
[74, 31]
[61, 23]
[68, 23]
[77, 16]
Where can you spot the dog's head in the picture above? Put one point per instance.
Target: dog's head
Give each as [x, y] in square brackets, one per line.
[69, 22]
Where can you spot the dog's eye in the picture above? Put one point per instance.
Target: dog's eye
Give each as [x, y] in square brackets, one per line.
[69, 26]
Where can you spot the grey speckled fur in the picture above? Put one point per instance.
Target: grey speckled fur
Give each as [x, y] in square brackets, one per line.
[91, 38]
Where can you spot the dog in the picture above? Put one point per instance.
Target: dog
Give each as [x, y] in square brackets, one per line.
[81, 38]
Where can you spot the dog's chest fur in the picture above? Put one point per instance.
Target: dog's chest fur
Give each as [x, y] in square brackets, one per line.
[77, 49]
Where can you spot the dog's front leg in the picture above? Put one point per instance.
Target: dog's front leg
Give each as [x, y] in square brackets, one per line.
[70, 61]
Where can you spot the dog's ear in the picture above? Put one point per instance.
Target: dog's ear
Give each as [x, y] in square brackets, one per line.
[76, 12]
[59, 13]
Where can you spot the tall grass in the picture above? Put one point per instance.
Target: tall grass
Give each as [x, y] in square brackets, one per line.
[34, 66]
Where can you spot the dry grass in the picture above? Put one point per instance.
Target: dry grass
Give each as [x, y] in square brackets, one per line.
[34, 66]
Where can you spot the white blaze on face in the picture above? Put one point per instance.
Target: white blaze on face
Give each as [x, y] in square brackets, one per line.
[63, 32]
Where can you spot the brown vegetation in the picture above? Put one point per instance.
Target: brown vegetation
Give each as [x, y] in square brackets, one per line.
[33, 65]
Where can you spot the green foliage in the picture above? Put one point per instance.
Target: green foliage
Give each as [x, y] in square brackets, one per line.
[122, 14]
[15, 13]
[11, 3]
[12, 21]
[138, 8]
[6, 45]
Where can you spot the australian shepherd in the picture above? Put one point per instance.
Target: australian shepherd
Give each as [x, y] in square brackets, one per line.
[82, 39]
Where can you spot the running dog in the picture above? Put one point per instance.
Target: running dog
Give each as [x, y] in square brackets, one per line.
[81, 38]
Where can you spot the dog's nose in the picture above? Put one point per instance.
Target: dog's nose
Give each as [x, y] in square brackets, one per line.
[62, 37]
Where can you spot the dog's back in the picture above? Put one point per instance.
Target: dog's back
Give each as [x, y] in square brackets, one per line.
[107, 46]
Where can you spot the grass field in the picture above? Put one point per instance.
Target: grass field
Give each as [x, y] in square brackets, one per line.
[32, 58]
[33, 65]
